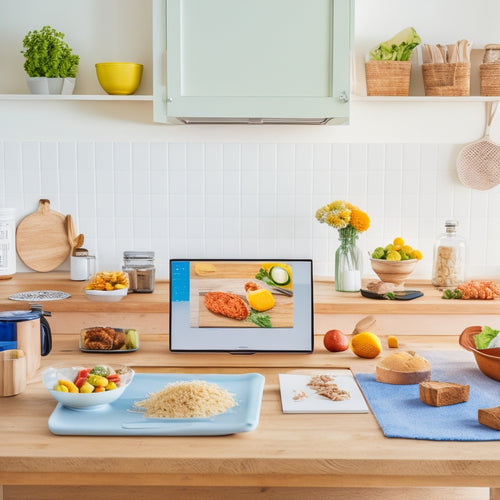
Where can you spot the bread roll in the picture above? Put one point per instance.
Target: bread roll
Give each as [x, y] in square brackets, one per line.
[402, 368]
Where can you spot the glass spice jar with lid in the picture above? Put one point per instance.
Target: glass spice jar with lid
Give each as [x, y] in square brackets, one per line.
[139, 265]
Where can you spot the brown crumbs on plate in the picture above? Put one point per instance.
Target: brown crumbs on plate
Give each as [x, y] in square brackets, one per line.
[324, 386]
[299, 395]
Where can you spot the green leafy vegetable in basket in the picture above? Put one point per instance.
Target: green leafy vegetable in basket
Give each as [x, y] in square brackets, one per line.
[397, 48]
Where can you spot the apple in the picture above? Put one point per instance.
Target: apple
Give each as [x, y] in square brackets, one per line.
[335, 341]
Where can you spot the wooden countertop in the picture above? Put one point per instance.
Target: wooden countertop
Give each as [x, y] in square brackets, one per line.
[326, 299]
[292, 450]
[148, 313]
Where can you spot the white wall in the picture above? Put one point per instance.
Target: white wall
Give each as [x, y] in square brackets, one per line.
[247, 199]
[212, 191]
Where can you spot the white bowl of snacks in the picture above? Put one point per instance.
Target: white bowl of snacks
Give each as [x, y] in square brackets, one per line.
[87, 387]
[107, 286]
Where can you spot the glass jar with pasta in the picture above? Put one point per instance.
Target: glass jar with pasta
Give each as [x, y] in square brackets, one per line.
[448, 267]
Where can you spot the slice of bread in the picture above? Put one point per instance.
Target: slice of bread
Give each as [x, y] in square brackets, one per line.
[435, 393]
[489, 417]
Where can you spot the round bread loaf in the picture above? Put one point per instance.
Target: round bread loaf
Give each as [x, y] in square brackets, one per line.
[402, 368]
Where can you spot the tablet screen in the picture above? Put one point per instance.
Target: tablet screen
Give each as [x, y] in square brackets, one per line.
[241, 306]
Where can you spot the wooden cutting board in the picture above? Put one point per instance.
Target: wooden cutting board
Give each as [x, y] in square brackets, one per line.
[42, 240]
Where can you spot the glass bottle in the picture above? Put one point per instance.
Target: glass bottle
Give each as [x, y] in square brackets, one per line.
[448, 266]
[348, 262]
[141, 271]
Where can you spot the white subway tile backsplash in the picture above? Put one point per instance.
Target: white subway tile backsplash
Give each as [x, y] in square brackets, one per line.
[357, 158]
[178, 206]
[13, 171]
[231, 182]
[249, 200]
[304, 182]
[339, 185]
[213, 206]
[30, 158]
[86, 169]
[340, 157]
[231, 205]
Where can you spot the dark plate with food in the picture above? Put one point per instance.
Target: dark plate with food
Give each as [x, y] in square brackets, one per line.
[109, 339]
[395, 295]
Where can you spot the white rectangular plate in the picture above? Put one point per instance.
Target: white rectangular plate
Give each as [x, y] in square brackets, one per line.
[293, 384]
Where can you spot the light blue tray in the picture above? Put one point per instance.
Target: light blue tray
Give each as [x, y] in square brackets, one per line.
[117, 419]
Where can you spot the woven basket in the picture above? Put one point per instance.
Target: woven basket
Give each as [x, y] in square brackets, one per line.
[489, 79]
[446, 79]
[388, 77]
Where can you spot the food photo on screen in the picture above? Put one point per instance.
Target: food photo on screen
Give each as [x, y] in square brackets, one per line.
[241, 306]
[241, 294]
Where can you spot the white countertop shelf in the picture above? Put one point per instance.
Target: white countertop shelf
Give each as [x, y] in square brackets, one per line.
[422, 98]
[74, 97]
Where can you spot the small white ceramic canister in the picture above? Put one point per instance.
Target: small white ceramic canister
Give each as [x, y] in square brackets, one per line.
[82, 265]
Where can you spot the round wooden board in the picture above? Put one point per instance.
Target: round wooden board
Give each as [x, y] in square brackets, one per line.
[42, 240]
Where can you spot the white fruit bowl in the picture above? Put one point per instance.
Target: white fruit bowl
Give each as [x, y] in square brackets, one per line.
[106, 296]
[51, 376]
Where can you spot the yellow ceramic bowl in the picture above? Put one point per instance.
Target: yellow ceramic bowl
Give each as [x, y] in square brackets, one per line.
[119, 78]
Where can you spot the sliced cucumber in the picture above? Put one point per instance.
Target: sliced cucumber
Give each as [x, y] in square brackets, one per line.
[279, 275]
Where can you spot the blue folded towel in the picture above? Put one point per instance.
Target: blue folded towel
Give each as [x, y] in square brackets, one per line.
[401, 414]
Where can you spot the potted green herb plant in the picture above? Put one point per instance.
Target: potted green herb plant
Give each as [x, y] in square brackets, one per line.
[50, 64]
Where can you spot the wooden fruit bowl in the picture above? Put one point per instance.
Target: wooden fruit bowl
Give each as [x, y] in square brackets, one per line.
[393, 271]
[488, 360]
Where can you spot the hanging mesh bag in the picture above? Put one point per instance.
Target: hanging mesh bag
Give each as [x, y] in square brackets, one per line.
[478, 163]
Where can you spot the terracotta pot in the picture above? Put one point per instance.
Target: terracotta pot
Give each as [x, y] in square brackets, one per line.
[488, 360]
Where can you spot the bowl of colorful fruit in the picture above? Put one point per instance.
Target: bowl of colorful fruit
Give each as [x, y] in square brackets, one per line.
[395, 262]
[87, 387]
[107, 286]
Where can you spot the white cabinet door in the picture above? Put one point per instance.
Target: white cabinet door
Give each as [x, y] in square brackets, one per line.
[252, 60]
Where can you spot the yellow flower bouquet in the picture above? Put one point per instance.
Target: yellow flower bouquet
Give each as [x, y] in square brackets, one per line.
[350, 221]
[343, 215]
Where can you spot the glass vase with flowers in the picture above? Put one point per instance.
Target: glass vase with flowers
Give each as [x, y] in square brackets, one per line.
[349, 220]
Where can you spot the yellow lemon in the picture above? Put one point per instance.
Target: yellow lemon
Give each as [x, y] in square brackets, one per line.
[407, 249]
[398, 241]
[393, 255]
[366, 345]
[416, 254]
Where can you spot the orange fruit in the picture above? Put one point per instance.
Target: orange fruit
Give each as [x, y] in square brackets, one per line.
[366, 345]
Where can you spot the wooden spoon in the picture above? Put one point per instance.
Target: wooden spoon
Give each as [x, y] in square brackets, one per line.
[70, 229]
[364, 324]
[78, 241]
